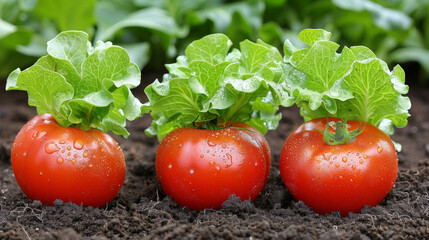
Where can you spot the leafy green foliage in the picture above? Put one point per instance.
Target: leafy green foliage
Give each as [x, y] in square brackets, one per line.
[82, 85]
[155, 32]
[210, 82]
[351, 85]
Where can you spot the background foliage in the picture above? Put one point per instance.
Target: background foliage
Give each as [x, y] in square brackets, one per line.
[155, 32]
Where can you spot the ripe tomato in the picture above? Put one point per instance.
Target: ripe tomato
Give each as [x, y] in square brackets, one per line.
[338, 177]
[201, 168]
[53, 162]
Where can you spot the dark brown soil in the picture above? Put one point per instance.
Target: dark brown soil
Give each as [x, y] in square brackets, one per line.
[142, 211]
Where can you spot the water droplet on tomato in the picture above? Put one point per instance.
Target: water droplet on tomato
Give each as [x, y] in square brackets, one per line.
[365, 156]
[51, 148]
[170, 166]
[223, 145]
[35, 134]
[344, 159]
[318, 161]
[68, 148]
[191, 171]
[211, 144]
[90, 165]
[60, 160]
[24, 154]
[75, 155]
[337, 165]
[69, 154]
[85, 154]
[380, 149]
[73, 161]
[212, 163]
[180, 145]
[78, 144]
[354, 167]
[202, 156]
[62, 141]
[41, 172]
[340, 177]
[229, 160]
[360, 161]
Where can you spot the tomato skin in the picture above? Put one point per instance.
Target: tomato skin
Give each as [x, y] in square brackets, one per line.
[201, 168]
[52, 162]
[341, 178]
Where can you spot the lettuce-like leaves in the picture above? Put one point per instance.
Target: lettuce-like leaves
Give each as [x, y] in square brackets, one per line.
[212, 82]
[82, 85]
[351, 85]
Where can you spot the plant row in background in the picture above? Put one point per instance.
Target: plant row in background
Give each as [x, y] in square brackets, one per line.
[209, 113]
[157, 31]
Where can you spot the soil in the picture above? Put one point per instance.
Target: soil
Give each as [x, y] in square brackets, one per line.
[142, 211]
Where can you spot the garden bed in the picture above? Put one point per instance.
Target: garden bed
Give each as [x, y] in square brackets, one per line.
[141, 210]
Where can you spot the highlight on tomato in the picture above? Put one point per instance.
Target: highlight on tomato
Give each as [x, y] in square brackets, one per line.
[348, 160]
[81, 92]
[209, 113]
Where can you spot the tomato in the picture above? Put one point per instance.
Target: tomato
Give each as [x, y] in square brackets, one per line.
[201, 168]
[338, 177]
[53, 162]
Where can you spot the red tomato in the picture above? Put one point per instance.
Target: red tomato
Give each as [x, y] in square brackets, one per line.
[53, 162]
[202, 168]
[338, 177]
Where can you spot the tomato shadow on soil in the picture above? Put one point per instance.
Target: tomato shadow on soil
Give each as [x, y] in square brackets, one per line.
[142, 211]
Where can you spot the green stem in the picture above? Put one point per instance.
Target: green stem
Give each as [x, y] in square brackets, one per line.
[236, 107]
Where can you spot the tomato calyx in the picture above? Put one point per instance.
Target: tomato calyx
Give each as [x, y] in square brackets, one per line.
[342, 134]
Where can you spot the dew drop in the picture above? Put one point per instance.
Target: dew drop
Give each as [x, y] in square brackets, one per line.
[51, 148]
[212, 163]
[60, 160]
[73, 161]
[211, 144]
[90, 165]
[318, 161]
[85, 154]
[337, 165]
[365, 156]
[202, 156]
[180, 145]
[191, 171]
[380, 149]
[223, 145]
[35, 134]
[41, 173]
[62, 142]
[75, 155]
[354, 167]
[229, 157]
[24, 154]
[68, 148]
[69, 154]
[170, 166]
[331, 162]
[78, 144]
[217, 168]
[361, 161]
[340, 177]
[344, 159]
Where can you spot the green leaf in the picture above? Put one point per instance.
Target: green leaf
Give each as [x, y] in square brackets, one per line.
[81, 85]
[69, 15]
[211, 82]
[351, 85]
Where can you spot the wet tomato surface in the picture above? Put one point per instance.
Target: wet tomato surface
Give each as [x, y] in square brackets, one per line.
[201, 168]
[52, 162]
[341, 178]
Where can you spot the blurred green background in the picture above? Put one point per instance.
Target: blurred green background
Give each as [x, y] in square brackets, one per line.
[156, 31]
